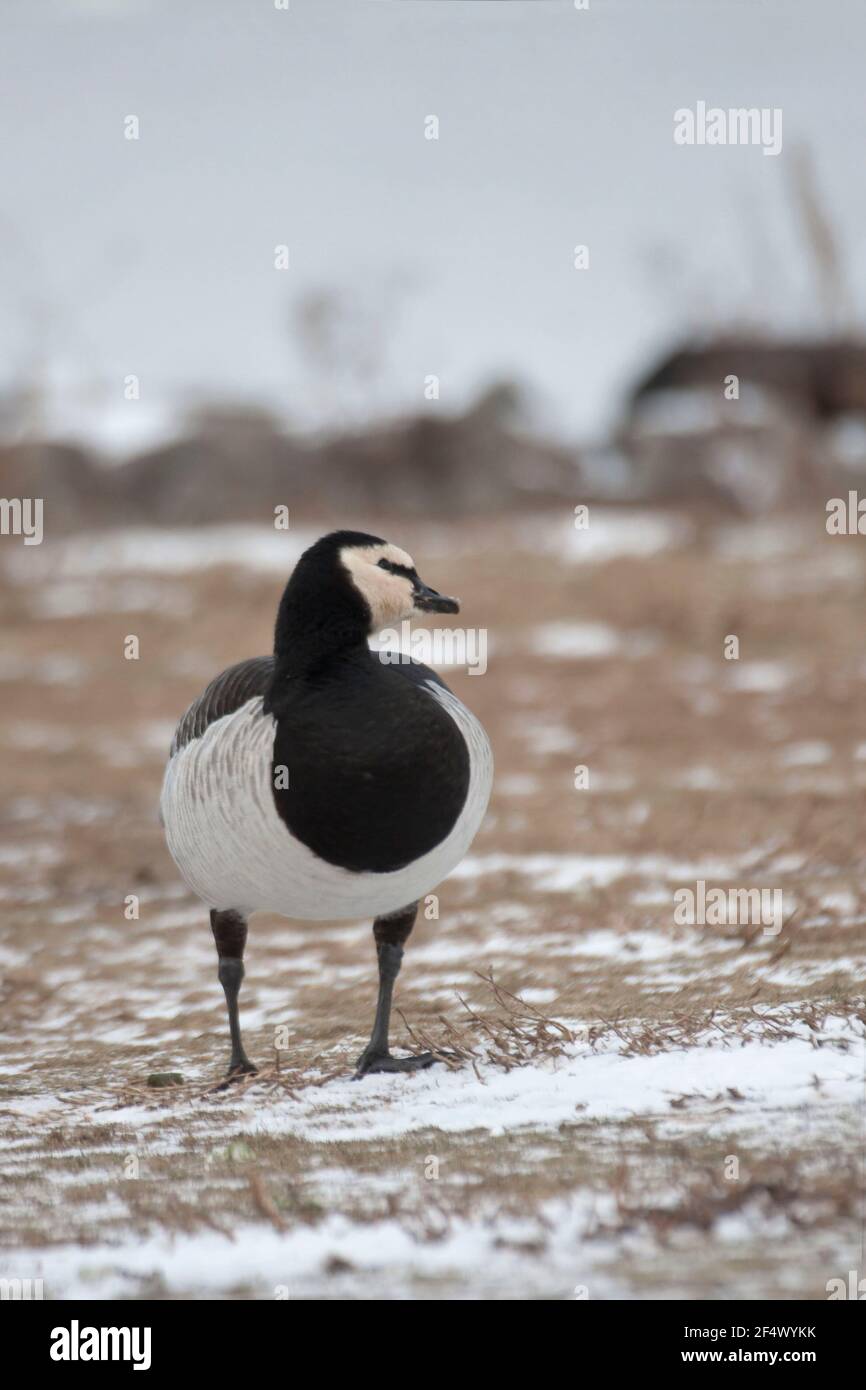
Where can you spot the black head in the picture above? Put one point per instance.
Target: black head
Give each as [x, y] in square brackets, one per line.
[346, 587]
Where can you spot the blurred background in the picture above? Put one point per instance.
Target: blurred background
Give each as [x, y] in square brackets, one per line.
[239, 274]
[427, 336]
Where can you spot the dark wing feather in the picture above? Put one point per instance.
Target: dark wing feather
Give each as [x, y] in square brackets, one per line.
[418, 673]
[226, 693]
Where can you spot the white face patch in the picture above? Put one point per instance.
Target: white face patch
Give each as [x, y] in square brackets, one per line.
[387, 595]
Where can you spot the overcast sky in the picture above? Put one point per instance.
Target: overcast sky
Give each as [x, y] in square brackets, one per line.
[261, 127]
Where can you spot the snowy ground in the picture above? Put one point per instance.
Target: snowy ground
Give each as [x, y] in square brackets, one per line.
[631, 1106]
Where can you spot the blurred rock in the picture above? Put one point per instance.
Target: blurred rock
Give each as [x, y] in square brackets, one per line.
[74, 488]
[790, 435]
[818, 378]
[237, 465]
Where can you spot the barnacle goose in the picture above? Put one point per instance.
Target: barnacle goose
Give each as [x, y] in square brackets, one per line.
[323, 783]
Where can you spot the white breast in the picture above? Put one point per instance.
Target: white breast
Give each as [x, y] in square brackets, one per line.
[231, 846]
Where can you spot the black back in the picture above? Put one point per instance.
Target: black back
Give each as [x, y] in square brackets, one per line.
[226, 693]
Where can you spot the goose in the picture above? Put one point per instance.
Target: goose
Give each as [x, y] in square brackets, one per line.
[324, 783]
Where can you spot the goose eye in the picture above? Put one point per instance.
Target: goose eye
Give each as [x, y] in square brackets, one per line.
[393, 568]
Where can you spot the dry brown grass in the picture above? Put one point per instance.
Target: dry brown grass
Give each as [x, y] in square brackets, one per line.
[508, 977]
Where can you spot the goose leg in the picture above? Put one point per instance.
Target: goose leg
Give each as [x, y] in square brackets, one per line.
[230, 934]
[390, 934]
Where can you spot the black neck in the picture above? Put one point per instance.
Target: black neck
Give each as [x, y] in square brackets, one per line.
[316, 621]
